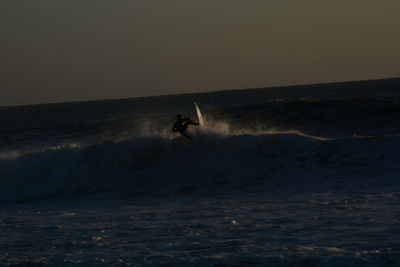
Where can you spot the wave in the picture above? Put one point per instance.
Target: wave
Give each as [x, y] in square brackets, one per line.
[213, 161]
[93, 122]
[322, 117]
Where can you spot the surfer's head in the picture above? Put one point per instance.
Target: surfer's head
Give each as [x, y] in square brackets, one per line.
[179, 116]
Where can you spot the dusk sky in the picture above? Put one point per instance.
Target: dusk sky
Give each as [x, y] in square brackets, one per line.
[71, 50]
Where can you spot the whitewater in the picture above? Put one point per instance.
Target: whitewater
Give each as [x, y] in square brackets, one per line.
[289, 176]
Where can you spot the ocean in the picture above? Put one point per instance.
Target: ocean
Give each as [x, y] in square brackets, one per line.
[289, 176]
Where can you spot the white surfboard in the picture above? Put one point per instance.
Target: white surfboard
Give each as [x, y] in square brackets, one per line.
[199, 115]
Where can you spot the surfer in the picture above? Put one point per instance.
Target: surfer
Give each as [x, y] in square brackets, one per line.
[182, 124]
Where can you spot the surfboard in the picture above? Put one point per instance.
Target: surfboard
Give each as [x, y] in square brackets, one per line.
[199, 115]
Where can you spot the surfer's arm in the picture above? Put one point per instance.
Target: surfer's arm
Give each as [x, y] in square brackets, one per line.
[186, 119]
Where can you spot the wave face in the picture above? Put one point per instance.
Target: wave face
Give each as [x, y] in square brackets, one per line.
[212, 162]
[319, 134]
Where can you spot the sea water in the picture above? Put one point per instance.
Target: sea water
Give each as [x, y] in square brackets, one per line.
[294, 176]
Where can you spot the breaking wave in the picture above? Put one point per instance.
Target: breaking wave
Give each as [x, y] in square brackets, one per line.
[212, 162]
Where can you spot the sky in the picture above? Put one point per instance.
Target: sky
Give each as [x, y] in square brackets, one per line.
[72, 50]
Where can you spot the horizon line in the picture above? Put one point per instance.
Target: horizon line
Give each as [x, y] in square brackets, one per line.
[202, 93]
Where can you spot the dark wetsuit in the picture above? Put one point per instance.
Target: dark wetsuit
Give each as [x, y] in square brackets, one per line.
[181, 126]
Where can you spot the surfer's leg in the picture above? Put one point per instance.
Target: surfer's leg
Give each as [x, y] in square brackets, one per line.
[184, 127]
[185, 134]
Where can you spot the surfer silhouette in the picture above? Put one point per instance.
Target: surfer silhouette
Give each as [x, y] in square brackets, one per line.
[182, 124]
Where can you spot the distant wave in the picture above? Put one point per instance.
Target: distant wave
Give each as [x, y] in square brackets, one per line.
[213, 161]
